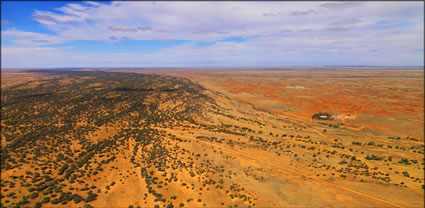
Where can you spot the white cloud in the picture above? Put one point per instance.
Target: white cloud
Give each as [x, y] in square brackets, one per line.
[32, 57]
[277, 32]
[209, 21]
[266, 51]
[352, 21]
[122, 28]
[23, 38]
[341, 5]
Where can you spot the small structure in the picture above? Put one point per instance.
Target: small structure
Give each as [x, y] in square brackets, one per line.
[322, 116]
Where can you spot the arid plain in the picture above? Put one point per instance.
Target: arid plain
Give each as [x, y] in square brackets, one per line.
[215, 138]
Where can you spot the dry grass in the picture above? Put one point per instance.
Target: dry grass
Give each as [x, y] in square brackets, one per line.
[267, 145]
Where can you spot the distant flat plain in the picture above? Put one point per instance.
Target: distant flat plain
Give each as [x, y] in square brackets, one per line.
[388, 99]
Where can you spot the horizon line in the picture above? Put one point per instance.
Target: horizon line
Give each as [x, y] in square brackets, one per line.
[183, 67]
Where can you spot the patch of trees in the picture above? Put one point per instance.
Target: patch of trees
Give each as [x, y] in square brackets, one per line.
[52, 116]
[374, 157]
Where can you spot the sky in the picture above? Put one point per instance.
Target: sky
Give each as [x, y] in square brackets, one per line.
[55, 34]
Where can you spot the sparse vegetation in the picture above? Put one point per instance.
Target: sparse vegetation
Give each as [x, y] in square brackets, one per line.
[83, 135]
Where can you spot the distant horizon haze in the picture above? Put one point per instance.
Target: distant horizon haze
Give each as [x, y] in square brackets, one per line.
[214, 67]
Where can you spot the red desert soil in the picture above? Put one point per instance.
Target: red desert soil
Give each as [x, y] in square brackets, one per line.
[377, 95]
[260, 143]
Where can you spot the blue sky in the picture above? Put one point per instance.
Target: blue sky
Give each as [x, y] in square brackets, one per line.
[189, 34]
